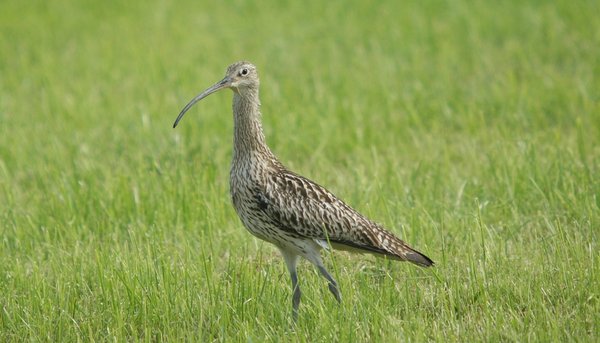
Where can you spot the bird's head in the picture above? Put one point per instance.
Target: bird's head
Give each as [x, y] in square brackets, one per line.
[241, 77]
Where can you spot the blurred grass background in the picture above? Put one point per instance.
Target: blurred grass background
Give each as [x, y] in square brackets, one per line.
[469, 128]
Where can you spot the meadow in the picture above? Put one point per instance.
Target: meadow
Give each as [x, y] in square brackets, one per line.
[469, 128]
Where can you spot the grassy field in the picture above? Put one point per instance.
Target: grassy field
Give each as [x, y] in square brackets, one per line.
[469, 128]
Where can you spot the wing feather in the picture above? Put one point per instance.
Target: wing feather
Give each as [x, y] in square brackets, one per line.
[309, 210]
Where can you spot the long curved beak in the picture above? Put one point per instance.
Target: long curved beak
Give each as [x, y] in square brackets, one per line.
[226, 82]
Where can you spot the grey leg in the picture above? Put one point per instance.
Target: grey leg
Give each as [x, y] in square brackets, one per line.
[291, 260]
[315, 258]
[296, 296]
[333, 287]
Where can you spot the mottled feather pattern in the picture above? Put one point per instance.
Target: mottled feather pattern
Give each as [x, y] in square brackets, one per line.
[314, 212]
[281, 203]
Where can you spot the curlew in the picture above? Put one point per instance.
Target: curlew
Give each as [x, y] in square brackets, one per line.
[279, 206]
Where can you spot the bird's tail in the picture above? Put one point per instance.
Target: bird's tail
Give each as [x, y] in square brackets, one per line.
[397, 249]
[382, 243]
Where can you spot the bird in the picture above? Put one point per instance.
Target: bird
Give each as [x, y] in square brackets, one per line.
[279, 206]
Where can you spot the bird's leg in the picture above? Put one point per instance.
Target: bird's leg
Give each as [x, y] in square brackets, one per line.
[333, 287]
[296, 296]
[291, 260]
[315, 258]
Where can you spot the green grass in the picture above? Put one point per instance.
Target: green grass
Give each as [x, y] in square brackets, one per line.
[470, 128]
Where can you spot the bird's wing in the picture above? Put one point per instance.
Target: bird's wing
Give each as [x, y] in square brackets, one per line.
[302, 207]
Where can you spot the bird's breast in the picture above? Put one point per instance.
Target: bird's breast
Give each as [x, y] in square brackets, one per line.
[247, 181]
[243, 177]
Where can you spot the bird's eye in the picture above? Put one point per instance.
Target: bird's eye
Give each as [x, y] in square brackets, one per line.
[244, 71]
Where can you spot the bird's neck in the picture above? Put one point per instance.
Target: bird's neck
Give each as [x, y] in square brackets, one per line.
[248, 137]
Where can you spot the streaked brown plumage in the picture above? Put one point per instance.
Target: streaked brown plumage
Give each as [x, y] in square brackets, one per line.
[294, 213]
